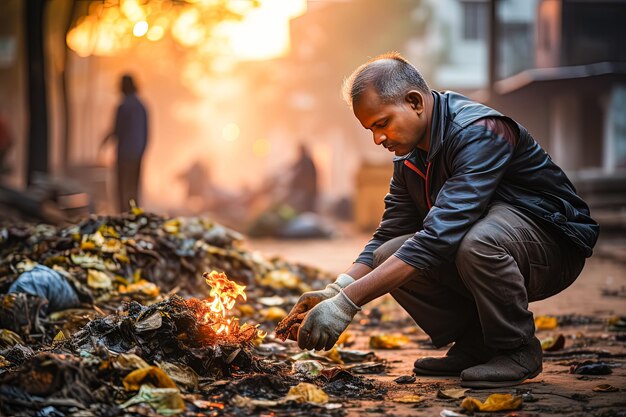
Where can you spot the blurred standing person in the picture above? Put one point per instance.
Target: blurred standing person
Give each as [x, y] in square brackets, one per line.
[303, 184]
[131, 132]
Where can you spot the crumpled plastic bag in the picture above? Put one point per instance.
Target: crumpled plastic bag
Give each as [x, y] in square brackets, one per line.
[166, 401]
[49, 284]
[495, 402]
[149, 375]
[307, 367]
[591, 368]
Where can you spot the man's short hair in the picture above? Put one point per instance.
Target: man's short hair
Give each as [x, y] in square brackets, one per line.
[390, 74]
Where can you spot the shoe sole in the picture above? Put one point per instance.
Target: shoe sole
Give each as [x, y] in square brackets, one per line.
[497, 384]
[433, 372]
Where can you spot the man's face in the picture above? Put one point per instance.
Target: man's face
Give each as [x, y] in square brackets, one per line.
[396, 126]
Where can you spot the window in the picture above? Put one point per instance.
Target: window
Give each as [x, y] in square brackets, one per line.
[475, 20]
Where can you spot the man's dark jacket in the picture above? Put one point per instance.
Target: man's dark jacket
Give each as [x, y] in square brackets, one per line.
[439, 196]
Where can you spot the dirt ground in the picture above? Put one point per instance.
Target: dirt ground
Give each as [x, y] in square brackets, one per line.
[556, 391]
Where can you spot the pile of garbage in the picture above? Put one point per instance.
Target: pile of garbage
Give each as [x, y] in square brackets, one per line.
[106, 260]
[113, 316]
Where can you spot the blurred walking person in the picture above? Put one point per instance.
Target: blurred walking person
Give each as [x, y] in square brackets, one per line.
[130, 129]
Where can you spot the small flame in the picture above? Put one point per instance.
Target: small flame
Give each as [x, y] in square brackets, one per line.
[224, 293]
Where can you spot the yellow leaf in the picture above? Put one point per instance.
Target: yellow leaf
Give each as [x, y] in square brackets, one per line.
[98, 279]
[552, 343]
[388, 341]
[333, 355]
[148, 375]
[605, 388]
[141, 286]
[172, 226]
[9, 338]
[280, 278]
[409, 399]
[246, 310]
[60, 336]
[495, 402]
[274, 314]
[546, 323]
[87, 246]
[307, 393]
[453, 393]
[121, 258]
[345, 338]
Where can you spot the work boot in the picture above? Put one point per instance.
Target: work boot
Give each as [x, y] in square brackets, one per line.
[511, 367]
[464, 354]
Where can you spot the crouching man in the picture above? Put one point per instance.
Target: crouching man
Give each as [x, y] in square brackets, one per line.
[478, 222]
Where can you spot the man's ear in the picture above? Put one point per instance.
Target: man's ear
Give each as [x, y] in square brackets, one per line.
[415, 100]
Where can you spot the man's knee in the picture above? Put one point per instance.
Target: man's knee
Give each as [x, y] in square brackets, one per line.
[480, 241]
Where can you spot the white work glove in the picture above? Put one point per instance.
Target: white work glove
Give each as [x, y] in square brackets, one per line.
[310, 299]
[326, 321]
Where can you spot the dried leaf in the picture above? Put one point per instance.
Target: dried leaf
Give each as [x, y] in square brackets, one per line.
[546, 323]
[495, 402]
[251, 403]
[60, 336]
[306, 393]
[141, 286]
[274, 314]
[452, 394]
[166, 401]
[384, 341]
[409, 399]
[172, 226]
[345, 339]
[605, 388]
[9, 338]
[98, 279]
[333, 355]
[552, 344]
[280, 278]
[128, 361]
[149, 375]
[152, 322]
[181, 374]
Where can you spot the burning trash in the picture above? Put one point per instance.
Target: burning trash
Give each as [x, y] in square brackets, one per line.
[192, 332]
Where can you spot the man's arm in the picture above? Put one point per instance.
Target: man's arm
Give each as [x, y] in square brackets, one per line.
[390, 275]
[400, 217]
[478, 163]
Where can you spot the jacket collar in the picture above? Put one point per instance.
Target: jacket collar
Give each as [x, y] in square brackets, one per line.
[437, 124]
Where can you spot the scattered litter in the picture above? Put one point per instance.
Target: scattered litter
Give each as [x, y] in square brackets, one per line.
[591, 368]
[495, 402]
[605, 388]
[546, 323]
[409, 399]
[552, 343]
[452, 394]
[388, 341]
[405, 379]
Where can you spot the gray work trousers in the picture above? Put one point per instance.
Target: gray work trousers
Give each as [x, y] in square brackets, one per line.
[503, 262]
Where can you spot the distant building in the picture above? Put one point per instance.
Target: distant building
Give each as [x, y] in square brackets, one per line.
[574, 98]
[560, 71]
